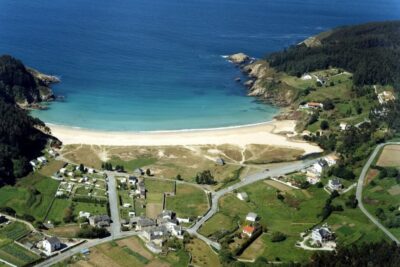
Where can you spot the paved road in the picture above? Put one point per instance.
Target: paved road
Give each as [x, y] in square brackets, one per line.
[360, 188]
[114, 207]
[215, 196]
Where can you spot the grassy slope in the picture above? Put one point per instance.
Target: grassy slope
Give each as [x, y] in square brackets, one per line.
[23, 201]
[295, 215]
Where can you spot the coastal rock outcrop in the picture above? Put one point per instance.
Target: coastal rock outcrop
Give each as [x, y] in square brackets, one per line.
[239, 58]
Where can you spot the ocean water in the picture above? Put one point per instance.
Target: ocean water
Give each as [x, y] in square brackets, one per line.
[140, 65]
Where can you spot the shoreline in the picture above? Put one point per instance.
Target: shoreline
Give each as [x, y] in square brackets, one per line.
[272, 133]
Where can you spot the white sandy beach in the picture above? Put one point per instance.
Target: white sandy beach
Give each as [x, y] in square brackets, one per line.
[271, 133]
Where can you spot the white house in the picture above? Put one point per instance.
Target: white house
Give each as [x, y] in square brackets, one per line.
[313, 179]
[90, 171]
[62, 170]
[177, 231]
[321, 235]
[343, 126]
[251, 217]
[183, 220]
[34, 163]
[84, 214]
[242, 196]
[127, 205]
[306, 77]
[51, 244]
[319, 166]
[330, 160]
[334, 184]
[42, 159]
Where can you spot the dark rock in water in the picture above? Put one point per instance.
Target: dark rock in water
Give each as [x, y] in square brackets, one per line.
[237, 79]
[249, 83]
[239, 58]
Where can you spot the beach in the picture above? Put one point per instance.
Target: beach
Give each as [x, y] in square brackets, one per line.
[271, 133]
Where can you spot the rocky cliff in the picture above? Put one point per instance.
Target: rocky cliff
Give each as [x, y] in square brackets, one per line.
[24, 86]
[264, 82]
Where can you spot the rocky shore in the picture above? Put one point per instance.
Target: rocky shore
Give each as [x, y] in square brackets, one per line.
[263, 81]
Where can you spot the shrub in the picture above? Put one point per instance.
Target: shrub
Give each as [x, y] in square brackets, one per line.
[278, 237]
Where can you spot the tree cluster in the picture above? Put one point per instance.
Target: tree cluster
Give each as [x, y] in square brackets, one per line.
[205, 177]
[370, 51]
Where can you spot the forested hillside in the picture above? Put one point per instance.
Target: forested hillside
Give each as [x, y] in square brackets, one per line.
[370, 51]
[20, 140]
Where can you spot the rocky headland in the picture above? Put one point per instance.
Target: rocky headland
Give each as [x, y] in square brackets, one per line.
[25, 86]
[263, 81]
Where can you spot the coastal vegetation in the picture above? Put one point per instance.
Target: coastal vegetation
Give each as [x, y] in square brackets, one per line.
[22, 137]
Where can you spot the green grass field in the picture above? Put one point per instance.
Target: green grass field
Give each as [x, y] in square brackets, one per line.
[384, 194]
[158, 186]
[31, 195]
[131, 165]
[189, 201]
[295, 214]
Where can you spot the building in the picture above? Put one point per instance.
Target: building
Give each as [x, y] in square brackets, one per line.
[177, 231]
[133, 180]
[248, 231]
[42, 160]
[242, 196]
[321, 235]
[167, 214]
[334, 184]
[343, 126]
[220, 161]
[84, 214]
[34, 163]
[314, 105]
[144, 223]
[183, 220]
[331, 160]
[138, 171]
[313, 179]
[155, 234]
[51, 244]
[100, 220]
[141, 189]
[306, 77]
[53, 153]
[3, 219]
[385, 97]
[251, 217]
[319, 166]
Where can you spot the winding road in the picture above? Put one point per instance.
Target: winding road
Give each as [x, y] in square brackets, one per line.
[360, 185]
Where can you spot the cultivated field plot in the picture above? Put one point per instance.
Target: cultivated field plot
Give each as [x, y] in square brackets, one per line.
[382, 200]
[130, 252]
[17, 255]
[390, 156]
[187, 161]
[13, 231]
[202, 254]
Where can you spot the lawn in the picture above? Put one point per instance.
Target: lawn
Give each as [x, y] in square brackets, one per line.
[189, 201]
[51, 167]
[158, 186]
[31, 195]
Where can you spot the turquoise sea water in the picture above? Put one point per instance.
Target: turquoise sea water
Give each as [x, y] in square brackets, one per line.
[157, 65]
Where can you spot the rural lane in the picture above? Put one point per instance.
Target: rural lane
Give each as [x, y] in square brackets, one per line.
[115, 228]
[360, 188]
